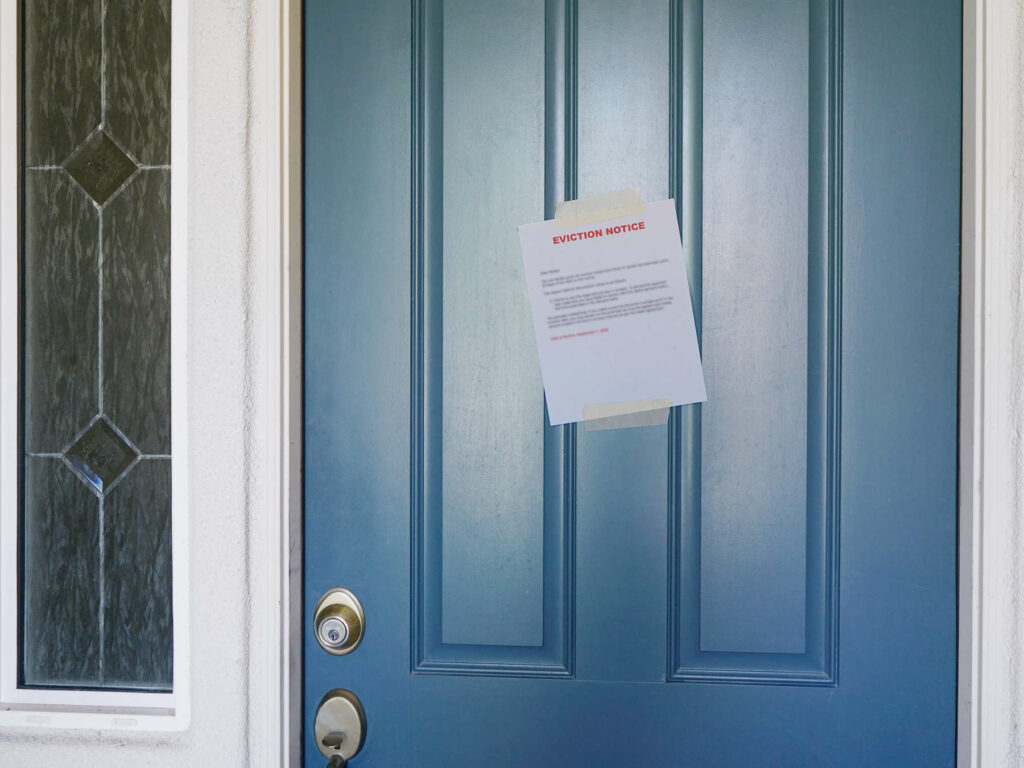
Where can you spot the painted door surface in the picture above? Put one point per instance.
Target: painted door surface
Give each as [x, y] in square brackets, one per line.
[768, 580]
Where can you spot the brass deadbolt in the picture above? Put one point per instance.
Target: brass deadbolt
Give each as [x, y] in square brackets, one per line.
[339, 622]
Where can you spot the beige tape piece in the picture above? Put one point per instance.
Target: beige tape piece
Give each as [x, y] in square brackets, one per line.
[587, 210]
[631, 413]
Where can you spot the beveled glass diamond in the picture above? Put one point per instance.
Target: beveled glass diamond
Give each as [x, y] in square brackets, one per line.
[100, 456]
[99, 166]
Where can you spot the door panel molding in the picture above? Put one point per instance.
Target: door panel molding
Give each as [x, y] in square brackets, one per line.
[553, 657]
[689, 660]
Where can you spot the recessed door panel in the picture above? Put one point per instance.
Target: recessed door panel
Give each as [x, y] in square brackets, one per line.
[755, 327]
[491, 505]
[756, 568]
[492, 404]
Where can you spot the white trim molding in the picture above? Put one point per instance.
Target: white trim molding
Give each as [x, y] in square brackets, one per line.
[71, 709]
[991, 684]
[971, 280]
[275, 572]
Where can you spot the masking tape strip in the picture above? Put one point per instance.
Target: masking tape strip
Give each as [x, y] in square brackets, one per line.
[631, 413]
[587, 210]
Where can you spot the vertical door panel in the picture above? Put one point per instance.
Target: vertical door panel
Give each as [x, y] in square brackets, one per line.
[755, 283]
[623, 76]
[755, 553]
[492, 497]
[901, 167]
[357, 363]
[491, 580]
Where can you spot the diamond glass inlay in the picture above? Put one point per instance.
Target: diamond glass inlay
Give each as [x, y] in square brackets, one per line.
[100, 166]
[100, 456]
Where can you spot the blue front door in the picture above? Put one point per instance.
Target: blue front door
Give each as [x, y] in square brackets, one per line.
[767, 581]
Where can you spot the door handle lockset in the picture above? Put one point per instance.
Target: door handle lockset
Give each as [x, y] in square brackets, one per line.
[339, 727]
[339, 622]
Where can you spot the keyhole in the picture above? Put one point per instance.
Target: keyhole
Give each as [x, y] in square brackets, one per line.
[334, 635]
[333, 740]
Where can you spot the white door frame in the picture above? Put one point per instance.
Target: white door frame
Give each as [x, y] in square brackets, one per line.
[991, 580]
[989, 584]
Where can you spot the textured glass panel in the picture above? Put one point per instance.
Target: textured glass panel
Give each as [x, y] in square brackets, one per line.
[61, 342]
[137, 648]
[61, 636]
[138, 78]
[95, 355]
[61, 78]
[137, 310]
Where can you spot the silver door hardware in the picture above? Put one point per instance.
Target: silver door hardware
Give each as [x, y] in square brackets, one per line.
[339, 622]
[339, 727]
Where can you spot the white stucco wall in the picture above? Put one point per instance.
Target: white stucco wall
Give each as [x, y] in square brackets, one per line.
[230, 249]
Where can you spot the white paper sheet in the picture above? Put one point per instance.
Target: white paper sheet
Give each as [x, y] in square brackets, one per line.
[612, 313]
